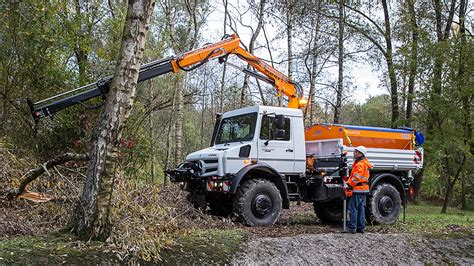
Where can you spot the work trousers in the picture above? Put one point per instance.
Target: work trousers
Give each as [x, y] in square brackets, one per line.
[357, 212]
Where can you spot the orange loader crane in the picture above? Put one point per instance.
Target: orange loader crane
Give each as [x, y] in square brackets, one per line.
[229, 45]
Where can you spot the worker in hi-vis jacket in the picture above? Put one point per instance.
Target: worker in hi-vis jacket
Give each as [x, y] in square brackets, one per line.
[357, 189]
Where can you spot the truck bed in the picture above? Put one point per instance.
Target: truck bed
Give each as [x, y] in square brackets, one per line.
[382, 159]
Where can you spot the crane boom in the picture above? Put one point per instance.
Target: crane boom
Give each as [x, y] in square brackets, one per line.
[185, 62]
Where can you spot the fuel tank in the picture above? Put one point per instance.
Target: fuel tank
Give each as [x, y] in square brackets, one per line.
[370, 137]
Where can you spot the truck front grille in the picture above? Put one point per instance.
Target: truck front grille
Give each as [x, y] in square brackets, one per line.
[209, 166]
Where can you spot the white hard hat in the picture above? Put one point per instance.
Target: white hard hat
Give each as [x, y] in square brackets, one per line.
[362, 150]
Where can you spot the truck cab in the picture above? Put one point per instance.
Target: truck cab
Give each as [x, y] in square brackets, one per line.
[249, 136]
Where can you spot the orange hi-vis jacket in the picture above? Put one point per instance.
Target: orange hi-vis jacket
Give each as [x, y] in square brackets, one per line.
[359, 178]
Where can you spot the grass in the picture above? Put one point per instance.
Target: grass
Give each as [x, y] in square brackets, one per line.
[209, 246]
[205, 246]
[52, 249]
[427, 218]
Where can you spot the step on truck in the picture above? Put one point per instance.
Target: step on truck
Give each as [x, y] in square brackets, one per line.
[262, 157]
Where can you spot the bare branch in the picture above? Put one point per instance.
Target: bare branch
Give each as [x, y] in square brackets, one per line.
[33, 174]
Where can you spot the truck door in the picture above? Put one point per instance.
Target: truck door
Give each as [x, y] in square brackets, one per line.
[278, 153]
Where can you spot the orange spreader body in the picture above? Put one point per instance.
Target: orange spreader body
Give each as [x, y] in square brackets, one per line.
[370, 137]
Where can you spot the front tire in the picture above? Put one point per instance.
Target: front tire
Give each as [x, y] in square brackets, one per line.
[385, 204]
[219, 204]
[258, 202]
[329, 212]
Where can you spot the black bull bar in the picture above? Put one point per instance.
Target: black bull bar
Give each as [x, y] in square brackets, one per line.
[185, 172]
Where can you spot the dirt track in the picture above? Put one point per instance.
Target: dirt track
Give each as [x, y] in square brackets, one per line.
[372, 248]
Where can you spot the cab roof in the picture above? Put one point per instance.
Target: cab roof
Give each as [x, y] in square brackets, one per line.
[266, 109]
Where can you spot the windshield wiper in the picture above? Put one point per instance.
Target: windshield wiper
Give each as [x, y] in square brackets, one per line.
[227, 143]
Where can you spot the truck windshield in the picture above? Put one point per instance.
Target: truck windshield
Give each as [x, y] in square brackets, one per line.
[237, 128]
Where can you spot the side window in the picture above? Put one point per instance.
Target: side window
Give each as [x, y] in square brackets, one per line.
[268, 128]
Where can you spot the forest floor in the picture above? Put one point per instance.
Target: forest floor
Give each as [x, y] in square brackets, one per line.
[298, 238]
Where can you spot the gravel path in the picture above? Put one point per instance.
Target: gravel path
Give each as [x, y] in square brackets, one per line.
[374, 248]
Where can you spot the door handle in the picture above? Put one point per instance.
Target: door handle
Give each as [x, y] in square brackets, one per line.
[289, 150]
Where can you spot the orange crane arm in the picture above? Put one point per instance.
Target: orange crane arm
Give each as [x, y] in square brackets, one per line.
[230, 46]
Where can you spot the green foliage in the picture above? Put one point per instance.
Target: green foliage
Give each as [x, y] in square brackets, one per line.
[53, 249]
[449, 138]
[374, 112]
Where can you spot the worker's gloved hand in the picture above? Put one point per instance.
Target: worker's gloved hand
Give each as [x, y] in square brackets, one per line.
[348, 190]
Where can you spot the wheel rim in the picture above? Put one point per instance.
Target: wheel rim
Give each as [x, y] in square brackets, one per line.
[386, 205]
[261, 205]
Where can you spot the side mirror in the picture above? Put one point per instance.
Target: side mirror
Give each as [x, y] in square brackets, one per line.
[280, 134]
[280, 122]
[216, 128]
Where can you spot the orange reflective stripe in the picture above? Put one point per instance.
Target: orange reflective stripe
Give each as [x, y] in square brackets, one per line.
[361, 177]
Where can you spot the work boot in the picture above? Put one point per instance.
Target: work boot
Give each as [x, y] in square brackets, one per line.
[360, 231]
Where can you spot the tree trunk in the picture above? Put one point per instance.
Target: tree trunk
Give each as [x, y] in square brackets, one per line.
[179, 119]
[441, 36]
[245, 86]
[224, 67]
[91, 219]
[151, 132]
[413, 61]
[184, 38]
[169, 138]
[79, 51]
[314, 63]
[450, 183]
[289, 30]
[390, 65]
[340, 61]
[462, 81]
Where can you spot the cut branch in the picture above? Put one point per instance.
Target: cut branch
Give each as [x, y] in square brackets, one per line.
[33, 174]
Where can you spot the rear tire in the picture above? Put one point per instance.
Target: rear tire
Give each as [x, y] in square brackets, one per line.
[329, 212]
[385, 204]
[258, 202]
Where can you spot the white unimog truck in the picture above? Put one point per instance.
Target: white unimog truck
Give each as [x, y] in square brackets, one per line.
[259, 161]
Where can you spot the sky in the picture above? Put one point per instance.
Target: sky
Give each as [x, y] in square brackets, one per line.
[363, 76]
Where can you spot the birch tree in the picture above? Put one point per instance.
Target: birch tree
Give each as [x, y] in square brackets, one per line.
[91, 219]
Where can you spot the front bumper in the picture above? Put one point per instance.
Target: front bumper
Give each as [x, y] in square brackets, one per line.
[188, 175]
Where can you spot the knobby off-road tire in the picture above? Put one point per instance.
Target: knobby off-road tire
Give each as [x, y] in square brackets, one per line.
[329, 212]
[219, 204]
[385, 204]
[258, 202]
[212, 203]
[198, 201]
